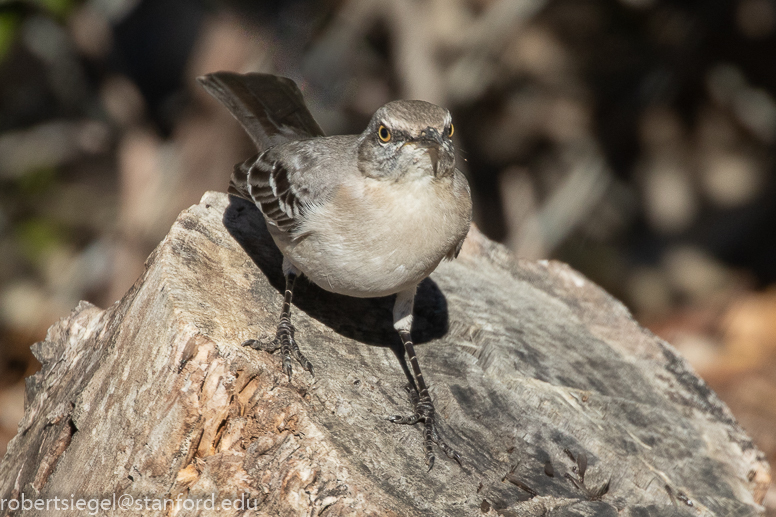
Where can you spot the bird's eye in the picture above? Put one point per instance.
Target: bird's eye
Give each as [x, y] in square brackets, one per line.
[385, 134]
[450, 130]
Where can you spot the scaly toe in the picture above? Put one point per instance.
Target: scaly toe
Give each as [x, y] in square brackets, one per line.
[424, 411]
[407, 420]
[265, 346]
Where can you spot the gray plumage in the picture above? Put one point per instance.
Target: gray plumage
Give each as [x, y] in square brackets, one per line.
[398, 211]
[361, 215]
[270, 108]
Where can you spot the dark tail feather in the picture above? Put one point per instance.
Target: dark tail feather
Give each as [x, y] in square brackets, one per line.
[270, 108]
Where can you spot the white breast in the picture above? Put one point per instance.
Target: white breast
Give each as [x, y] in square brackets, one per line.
[378, 237]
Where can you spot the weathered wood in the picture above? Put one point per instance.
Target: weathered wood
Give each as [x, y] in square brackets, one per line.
[536, 373]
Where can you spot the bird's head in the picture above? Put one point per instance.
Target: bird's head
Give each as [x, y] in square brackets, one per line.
[407, 138]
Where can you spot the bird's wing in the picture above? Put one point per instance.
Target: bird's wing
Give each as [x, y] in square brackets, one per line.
[266, 183]
[288, 180]
[464, 194]
[281, 179]
[270, 108]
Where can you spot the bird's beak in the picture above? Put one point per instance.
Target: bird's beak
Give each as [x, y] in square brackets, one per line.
[432, 142]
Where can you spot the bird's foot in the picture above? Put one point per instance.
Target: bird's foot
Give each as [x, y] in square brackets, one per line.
[285, 342]
[425, 412]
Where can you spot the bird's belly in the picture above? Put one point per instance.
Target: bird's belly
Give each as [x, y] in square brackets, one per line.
[362, 269]
[376, 250]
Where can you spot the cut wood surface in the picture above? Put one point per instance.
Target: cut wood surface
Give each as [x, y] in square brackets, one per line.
[559, 403]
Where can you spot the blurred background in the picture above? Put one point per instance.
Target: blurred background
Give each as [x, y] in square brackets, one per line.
[633, 139]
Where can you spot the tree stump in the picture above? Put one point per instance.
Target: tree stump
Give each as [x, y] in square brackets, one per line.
[559, 403]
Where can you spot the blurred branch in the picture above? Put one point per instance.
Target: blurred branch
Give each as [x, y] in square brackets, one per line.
[49, 145]
[566, 208]
[332, 53]
[415, 48]
[475, 69]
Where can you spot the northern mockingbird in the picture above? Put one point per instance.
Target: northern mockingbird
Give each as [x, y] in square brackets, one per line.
[361, 215]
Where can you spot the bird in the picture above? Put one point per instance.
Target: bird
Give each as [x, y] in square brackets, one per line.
[365, 215]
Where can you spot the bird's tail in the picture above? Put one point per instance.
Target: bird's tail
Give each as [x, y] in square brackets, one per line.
[271, 109]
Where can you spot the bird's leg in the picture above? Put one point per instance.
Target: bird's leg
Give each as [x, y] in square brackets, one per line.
[284, 337]
[421, 400]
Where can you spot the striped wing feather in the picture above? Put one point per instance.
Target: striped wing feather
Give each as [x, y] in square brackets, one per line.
[267, 184]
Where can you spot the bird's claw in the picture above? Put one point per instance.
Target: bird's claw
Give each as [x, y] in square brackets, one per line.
[425, 412]
[285, 342]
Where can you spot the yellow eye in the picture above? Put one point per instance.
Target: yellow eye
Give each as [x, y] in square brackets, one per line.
[450, 131]
[384, 133]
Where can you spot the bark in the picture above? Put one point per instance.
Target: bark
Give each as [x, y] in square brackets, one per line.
[559, 403]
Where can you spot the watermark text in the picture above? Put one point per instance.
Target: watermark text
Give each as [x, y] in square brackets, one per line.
[127, 502]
